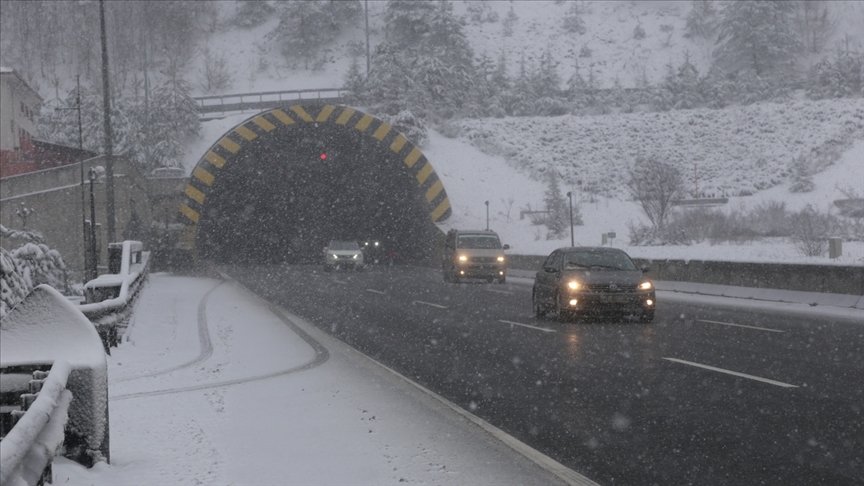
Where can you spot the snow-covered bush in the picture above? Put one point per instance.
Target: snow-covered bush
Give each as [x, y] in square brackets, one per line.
[802, 176]
[30, 265]
[412, 127]
[252, 13]
[810, 231]
[13, 286]
[841, 77]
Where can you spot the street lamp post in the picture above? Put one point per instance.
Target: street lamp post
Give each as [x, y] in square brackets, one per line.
[92, 271]
[570, 197]
[80, 148]
[487, 215]
[23, 213]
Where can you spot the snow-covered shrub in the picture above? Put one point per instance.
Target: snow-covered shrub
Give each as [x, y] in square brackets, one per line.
[26, 267]
[573, 22]
[810, 231]
[411, 126]
[13, 286]
[252, 13]
[548, 106]
[802, 175]
[639, 32]
[42, 265]
[841, 77]
[770, 219]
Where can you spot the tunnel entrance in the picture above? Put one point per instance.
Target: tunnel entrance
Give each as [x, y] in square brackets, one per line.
[282, 184]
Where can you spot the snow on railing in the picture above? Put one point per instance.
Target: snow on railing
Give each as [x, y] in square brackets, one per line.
[38, 434]
[110, 297]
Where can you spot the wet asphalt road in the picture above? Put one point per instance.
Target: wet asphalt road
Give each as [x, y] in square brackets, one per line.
[620, 402]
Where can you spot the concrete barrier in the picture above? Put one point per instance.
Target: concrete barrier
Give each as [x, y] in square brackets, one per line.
[804, 277]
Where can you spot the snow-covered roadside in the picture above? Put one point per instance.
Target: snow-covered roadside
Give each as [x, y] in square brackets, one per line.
[250, 413]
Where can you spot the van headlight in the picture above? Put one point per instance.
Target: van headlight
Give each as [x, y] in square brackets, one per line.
[500, 258]
[463, 258]
[645, 286]
[573, 285]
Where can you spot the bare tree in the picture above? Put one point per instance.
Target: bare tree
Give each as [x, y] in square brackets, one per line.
[810, 230]
[654, 184]
[215, 75]
[814, 24]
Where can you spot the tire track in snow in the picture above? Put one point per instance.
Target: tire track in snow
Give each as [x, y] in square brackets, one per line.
[203, 338]
[321, 356]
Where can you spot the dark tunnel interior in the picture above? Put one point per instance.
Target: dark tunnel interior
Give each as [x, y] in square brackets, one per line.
[288, 194]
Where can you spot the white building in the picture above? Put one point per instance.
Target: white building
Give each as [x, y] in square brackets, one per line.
[19, 104]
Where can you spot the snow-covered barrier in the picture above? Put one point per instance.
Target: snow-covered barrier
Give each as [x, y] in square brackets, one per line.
[46, 328]
[28, 449]
[110, 297]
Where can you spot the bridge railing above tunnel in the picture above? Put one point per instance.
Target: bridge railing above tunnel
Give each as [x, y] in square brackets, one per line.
[221, 105]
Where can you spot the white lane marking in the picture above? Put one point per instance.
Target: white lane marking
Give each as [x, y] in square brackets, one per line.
[735, 373]
[340, 282]
[499, 291]
[528, 325]
[429, 303]
[740, 325]
[376, 291]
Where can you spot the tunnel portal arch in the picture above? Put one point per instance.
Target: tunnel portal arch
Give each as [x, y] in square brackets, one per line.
[302, 174]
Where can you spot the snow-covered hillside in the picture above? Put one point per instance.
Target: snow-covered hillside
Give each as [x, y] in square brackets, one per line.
[731, 152]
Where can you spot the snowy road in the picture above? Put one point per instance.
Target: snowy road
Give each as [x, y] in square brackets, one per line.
[711, 393]
[215, 387]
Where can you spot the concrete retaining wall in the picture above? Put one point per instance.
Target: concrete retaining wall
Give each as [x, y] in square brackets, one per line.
[833, 279]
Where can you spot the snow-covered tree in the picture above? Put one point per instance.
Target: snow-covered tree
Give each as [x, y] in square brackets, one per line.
[801, 175]
[27, 266]
[701, 20]
[573, 22]
[307, 26]
[354, 80]
[814, 24]
[654, 184]
[840, 77]
[681, 87]
[557, 219]
[390, 82]
[757, 36]
[406, 123]
[509, 23]
[252, 13]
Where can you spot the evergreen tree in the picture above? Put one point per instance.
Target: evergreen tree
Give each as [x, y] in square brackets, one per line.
[408, 22]
[354, 80]
[509, 23]
[701, 21]
[305, 27]
[756, 36]
[389, 83]
[841, 77]
[557, 218]
[573, 22]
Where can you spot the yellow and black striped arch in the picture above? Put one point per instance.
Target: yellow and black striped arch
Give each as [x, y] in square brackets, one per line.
[229, 150]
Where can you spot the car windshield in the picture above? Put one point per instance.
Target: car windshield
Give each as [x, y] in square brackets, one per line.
[479, 242]
[598, 260]
[344, 245]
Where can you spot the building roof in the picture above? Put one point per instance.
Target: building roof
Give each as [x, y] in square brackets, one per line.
[5, 71]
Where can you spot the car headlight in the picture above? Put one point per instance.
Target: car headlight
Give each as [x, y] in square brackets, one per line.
[574, 285]
[355, 256]
[500, 258]
[645, 286]
[463, 258]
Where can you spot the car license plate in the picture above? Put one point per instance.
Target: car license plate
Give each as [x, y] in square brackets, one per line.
[614, 298]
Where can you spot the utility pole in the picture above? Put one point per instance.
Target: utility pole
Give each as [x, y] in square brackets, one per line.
[366, 2]
[570, 197]
[109, 135]
[487, 215]
[81, 163]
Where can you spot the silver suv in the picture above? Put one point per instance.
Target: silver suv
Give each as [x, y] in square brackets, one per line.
[343, 254]
[474, 254]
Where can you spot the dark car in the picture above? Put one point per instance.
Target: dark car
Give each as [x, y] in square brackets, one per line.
[592, 280]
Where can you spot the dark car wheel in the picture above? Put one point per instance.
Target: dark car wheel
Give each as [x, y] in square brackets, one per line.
[647, 316]
[539, 310]
[502, 280]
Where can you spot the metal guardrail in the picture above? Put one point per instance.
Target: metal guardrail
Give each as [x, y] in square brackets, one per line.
[222, 105]
[27, 450]
[110, 297]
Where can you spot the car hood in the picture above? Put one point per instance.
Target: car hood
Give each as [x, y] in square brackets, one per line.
[479, 252]
[605, 277]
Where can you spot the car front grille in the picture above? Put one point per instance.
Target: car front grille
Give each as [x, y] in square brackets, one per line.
[482, 259]
[610, 288]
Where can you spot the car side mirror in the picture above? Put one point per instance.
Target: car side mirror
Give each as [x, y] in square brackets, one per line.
[549, 269]
[645, 268]
[506, 247]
